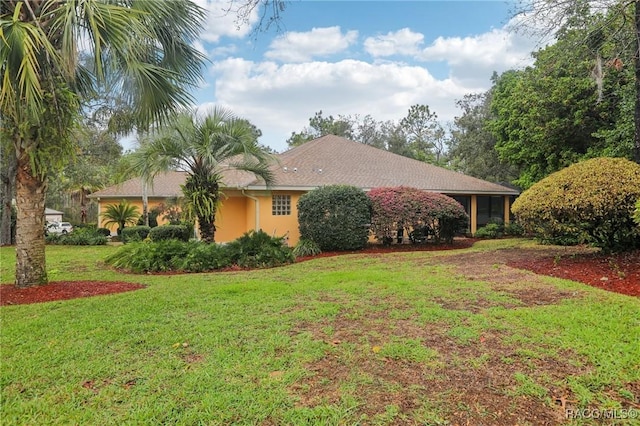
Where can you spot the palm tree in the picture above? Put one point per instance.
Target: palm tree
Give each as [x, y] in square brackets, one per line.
[204, 147]
[121, 214]
[140, 48]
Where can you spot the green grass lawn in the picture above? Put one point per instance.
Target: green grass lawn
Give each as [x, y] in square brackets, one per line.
[406, 338]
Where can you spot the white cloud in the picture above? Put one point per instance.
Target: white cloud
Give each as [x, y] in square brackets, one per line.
[473, 59]
[280, 94]
[280, 99]
[222, 20]
[304, 46]
[401, 42]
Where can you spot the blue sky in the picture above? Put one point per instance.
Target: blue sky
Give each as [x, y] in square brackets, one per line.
[355, 58]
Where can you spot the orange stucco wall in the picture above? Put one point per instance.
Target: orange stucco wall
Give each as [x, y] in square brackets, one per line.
[231, 219]
[283, 225]
[239, 214]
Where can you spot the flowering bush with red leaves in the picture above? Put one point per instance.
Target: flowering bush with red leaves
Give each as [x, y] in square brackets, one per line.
[407, 208]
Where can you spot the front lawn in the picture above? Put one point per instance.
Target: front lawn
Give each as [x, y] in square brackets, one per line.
[429, 338]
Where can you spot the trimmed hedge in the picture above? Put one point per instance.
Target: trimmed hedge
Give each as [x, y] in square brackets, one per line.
[79, 237]
[589, 202]
[335, 217]
[170, 232]
[134, 233]
[104, 231]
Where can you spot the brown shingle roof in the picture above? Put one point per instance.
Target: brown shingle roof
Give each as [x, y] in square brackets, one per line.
[333, 160]
[330, 160]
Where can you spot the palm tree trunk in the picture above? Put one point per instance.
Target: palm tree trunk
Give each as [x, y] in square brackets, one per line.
[207, 229]
[30, 245]
[8, 177]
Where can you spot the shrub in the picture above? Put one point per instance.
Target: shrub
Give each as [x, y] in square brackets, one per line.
[170, 232]
[134, 233]
[411, 208]
[335, 217]
[205, 257]
[306, 248]
[139, 256]
[257, 249]
[636, 214]
[79, 237]
[104, 231]
[590, 202]
[491, 230]
[513, 229]
[252, 250]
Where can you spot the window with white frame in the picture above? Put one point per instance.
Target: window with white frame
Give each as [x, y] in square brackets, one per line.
[281, 205]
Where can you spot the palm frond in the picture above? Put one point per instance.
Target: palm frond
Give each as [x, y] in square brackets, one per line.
[23, 48]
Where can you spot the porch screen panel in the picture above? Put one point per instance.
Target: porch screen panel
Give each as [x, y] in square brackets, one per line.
[490, 208]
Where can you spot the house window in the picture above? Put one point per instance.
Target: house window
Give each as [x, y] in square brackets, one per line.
[281, 205]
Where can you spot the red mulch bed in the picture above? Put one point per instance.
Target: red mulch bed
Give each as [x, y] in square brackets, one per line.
[619, 273]
[61, 290]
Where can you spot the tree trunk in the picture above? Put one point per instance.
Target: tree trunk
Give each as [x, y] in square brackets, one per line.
[636, 137]
[8, 178]
[207, 229]
[30, 245]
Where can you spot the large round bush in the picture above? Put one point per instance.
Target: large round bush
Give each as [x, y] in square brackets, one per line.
[406, 208]
[335, 217]
[589, 202]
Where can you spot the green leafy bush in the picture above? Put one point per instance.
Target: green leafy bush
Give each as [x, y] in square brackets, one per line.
[588, 202]
[409, 209]
[79, 237]
[252, 250]
[104, 231]
[170, 232]
[306, 248]
[140, 256]
[490, 230]
[257, 249]
[134, 233]
[205, 257]
[636, 214]
[513, 229]
[335, 217]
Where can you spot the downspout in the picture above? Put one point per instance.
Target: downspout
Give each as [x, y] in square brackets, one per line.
[257, 208]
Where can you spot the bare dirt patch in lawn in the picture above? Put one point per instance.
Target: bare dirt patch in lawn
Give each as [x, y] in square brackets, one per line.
[472, 382]
[482, 380]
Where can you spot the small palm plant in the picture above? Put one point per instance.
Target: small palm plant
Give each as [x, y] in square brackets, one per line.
[120, 214]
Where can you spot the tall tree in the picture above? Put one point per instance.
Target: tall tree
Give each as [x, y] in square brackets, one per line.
[610, 19]
[473, 149]
[561, 109]
[204, 147]
[96, 156]
[424, 133]
[144, 45]
[322, 126]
